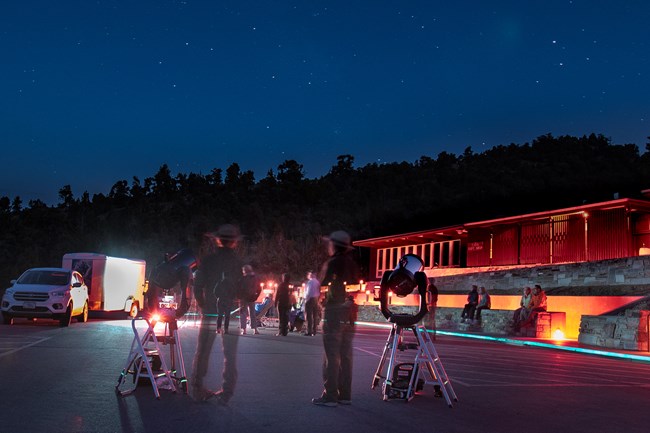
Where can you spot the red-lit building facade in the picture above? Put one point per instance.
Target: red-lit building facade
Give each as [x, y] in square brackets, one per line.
[591, 232]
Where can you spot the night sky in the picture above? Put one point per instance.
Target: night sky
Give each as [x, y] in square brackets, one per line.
[93, 92]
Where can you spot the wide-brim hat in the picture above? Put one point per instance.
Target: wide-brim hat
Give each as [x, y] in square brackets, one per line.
[340, 238]
[227, 232]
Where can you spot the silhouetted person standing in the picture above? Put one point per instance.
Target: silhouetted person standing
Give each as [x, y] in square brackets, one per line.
[283, 304]
[251, 290]
[432, 304]
[338, 326]
[218, 273]
[312, 296]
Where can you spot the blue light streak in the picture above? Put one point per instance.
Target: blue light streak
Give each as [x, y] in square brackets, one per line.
[515, 342]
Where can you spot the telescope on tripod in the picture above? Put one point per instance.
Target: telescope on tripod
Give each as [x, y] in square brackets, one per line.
[146, 359]
[402, 379]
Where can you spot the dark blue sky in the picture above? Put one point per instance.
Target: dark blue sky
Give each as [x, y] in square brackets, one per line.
[93, 92]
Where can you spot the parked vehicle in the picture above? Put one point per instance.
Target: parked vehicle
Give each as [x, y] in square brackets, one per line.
[54, 293]
[114, 283]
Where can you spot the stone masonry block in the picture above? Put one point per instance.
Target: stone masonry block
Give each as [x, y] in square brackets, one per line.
[589, 339]
[630, 345]
[609, 329]
[628, 336]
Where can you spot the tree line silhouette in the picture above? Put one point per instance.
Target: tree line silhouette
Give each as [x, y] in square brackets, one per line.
[284, 215]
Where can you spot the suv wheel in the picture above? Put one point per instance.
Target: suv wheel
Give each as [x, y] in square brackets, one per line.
[7, 319]
[67, 317]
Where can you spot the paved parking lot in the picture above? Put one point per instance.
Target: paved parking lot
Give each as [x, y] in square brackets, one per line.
[63, 379]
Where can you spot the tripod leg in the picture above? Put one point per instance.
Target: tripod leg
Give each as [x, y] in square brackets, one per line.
[382, 361]
[388, 383]
[181, 363]
[415, 373]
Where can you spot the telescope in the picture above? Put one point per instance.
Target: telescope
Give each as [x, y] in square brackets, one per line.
[174, 274]
[402, 281]
[403, 379]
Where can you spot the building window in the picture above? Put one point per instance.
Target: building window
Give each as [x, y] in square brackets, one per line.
[444, 254]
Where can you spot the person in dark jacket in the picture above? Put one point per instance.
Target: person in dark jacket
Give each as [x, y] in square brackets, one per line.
[470, 307]
[225, 304]
[432, 304]
[338, 327]
[251, 290]
[218, 273]
[283, 305]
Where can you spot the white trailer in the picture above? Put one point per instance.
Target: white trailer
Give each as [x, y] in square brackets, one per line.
[114, 283]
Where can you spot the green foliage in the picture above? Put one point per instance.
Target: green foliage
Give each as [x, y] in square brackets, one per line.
[284, 215]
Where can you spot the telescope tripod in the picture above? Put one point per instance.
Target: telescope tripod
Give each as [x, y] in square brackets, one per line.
[146, 359]
[402, 380]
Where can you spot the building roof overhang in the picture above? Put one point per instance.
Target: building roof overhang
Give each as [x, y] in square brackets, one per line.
[460, 231]
[420, 237]
[631, 205]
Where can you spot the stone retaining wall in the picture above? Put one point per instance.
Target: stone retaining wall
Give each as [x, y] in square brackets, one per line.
[497, 322]
[545, 325]
[371, 313]
[494, 322]
[448, 318]
[628, 332]
[631, 271]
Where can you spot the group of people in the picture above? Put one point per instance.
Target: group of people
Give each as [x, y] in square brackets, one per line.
[532, 302]
[246, 294]
[221, 278]
[478, 300]
[285, 303]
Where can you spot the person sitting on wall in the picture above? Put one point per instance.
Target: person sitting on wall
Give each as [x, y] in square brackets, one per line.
[522, 313]
[470, 307]
[537, 305]
[484, 303]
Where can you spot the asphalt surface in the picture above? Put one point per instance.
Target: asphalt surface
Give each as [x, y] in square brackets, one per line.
[63, 380]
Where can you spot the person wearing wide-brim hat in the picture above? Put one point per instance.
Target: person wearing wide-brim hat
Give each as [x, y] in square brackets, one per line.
[226, 233]
[340, 240]
[338, 328]
[217, 278]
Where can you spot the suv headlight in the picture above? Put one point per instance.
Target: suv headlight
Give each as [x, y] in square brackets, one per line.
[60, 293]
[9, 292]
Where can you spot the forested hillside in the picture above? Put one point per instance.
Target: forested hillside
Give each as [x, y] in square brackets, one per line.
[284, 214]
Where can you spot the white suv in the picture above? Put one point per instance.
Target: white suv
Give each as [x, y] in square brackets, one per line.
[53, 293]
